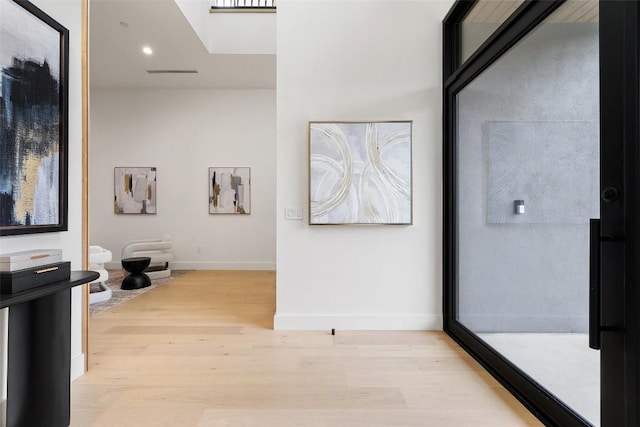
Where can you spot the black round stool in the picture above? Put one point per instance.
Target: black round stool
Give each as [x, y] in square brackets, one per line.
[137, 279]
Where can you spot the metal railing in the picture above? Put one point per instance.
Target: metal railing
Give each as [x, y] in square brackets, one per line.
[224, 5]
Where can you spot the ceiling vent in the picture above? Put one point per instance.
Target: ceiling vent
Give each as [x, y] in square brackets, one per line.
[172, 71]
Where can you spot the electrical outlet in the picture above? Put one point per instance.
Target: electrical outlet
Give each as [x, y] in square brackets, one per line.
[199, 249]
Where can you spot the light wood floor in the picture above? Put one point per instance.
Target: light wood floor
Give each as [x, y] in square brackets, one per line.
[200, 351]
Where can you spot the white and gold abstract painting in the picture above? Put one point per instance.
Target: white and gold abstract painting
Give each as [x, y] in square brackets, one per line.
[360, 173]
[135, 190]
[229, 190]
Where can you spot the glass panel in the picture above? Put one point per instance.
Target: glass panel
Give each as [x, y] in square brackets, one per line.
[481, 21]
[528, 183]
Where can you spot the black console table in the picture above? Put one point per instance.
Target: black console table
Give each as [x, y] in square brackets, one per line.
[39, 353]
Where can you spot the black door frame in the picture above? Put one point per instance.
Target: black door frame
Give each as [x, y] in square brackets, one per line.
[620, 168]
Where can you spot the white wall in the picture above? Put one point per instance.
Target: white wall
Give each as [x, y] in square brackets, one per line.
[183, 133]
[231, 33]
[68, 13]
[355, 60]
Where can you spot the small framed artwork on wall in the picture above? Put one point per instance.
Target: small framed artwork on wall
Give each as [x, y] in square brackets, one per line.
[360, 173]
[135, 190]
[229, 190]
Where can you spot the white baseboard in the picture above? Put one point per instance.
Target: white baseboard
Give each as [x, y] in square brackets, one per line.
[196, 265]
[77, 366]
[409, 322]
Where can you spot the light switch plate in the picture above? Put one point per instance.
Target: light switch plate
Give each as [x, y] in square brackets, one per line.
[293, 212]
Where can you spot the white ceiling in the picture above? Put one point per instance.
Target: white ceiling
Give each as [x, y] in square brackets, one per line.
[117, 61]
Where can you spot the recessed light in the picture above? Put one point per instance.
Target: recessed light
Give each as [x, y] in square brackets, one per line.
[147, 50]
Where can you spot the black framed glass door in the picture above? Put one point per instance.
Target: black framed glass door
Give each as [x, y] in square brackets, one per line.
[538, 127]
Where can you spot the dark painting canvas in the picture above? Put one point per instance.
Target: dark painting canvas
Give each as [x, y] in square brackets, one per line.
[31, 118]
